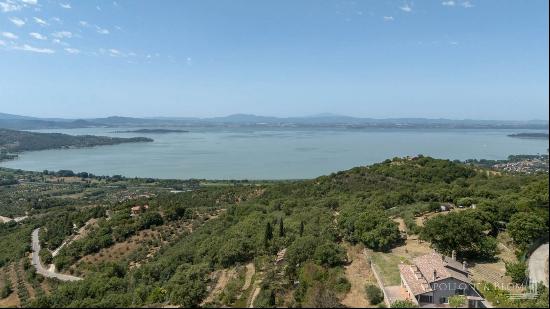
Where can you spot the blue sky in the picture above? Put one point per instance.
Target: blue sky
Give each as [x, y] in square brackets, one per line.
[452, 58]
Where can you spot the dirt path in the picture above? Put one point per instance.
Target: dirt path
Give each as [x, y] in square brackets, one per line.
[11, 301]
[82, 232]
[16, 219]
[250, 270]
[223, 279]
[5, 219]
[256, 289]
[253, 298]
[358, 274]
[402, 226]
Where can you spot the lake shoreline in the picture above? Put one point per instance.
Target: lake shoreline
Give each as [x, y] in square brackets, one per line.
[237, 153]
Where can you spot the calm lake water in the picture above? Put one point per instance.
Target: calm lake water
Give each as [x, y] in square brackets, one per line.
[244, 153]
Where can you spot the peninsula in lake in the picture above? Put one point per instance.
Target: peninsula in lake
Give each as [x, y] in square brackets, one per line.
[12, 141]
[533, 135]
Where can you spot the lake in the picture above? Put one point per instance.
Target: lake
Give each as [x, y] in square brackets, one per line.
[270, 153]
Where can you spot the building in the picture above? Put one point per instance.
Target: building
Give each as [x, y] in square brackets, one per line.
[136, 210]
[446, 207]
[433, 278]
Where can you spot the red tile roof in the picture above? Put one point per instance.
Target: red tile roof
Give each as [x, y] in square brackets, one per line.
[431, 268]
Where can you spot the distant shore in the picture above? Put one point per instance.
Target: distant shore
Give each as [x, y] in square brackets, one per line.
[531, 135]
[13, 142]
[151, 131]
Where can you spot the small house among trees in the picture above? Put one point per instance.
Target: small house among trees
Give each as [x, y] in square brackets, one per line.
[446, 206]
[138, 209]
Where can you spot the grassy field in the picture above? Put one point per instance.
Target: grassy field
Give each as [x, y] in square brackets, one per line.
[387, 266]
[387, 263]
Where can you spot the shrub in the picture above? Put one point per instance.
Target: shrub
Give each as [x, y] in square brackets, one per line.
[266, 298]
[517, 271]
[374, 294]
[457, 301]
[403, 304]
[6, 289]
[526, 227]
[330, 254]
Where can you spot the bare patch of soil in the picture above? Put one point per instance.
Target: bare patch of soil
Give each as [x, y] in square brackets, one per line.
[358, 273]
[224, 276]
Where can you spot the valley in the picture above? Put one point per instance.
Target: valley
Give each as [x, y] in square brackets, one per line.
[310, 243]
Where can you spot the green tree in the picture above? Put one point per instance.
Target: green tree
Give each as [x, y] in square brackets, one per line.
[329, 254]
[460, 232]
[526, 227]
[518, 271]
[149, 219]
[382, 237]
[187, 287]
[374, 294]
[372, 227]
[268, 234]
[45, 256]
[266, 298]
[301, 250]
[157, 295]
[6, 289]
[281, 228]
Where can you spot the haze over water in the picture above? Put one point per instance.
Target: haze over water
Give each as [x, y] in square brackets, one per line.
[274, 153]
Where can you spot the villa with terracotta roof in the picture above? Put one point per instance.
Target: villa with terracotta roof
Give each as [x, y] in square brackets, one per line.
[136, 210]
[433, 278]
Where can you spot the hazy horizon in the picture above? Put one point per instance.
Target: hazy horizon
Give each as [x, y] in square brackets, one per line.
[269, 116]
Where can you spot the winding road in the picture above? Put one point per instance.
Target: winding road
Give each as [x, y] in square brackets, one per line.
[38, 264]
[537, 265]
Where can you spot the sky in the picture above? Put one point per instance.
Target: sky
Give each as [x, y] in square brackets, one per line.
[383, 59]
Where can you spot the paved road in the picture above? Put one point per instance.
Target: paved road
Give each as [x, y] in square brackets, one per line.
[38, 265]
[537, 265]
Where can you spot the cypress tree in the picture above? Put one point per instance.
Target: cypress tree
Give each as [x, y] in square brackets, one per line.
[281, 228]
[268, 234]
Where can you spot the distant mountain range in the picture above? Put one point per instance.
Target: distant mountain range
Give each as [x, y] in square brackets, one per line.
[18, 122]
